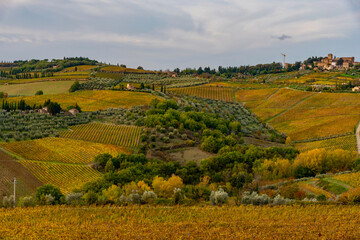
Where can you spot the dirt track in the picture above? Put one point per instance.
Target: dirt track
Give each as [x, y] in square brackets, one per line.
[10, 168]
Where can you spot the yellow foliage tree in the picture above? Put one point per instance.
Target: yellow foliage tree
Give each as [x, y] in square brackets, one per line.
[288, 141]
[131, 188]
[112, 194]
[314, 160]
[322, 161]
[143, 186]
[165, 188]
[275, 169]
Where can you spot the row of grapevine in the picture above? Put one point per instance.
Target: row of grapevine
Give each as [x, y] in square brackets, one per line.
[127, 136]
[217, 93]
[352, 179]
[182, 222]
[65, 176]
[345, 142]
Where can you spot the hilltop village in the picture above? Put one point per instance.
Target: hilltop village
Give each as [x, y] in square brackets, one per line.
[328, 63]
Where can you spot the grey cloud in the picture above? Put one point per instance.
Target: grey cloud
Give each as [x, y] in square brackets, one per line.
[282, 37]
[182, 28]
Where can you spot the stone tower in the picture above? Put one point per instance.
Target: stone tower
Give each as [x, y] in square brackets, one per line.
[330, 57]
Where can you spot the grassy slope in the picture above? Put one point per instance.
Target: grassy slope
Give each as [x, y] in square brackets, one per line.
[29, 89]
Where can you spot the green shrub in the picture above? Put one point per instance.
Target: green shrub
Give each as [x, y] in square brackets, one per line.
[8, 201]
[218, 197]
[153, 138]
[255, 199]
[27, 201]
[148, 196]
[46, 192]
[74, 199]
[40, 92]
[90, 198]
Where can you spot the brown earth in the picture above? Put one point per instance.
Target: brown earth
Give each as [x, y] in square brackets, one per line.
[10, 168]
[262, 143]
[184, 155]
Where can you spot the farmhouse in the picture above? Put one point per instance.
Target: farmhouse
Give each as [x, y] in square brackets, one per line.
[73, 111]
[356, 89]
[44, 110]
[130, 87]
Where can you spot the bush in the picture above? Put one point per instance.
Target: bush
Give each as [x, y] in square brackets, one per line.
[90, 198]
[153, 138]
[321, 198]
[148, 196]
[123, 199]
[112, 193]
[74, 199]
[53, 108]
[184, 136]
[134, 198]
[143, 137]
[27, 202]
[219, 197]
[8, 201]
[279, 200]
[46, 199]
[178, 196]
[75, 86]
[48, 189]
[350, 197]
[255, 199]
[40, 92]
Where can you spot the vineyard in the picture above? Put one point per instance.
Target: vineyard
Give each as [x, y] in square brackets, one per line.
[102, 133]
[254, 95]
[65, 176]
[306, 115]
[80, 68]
[216, 93]
[117, 69]
[92, 100]
[352, 179]
[135, 222]
[61, 150]
[241, 85]
[310, 186]
[322, 78]
[346, 143]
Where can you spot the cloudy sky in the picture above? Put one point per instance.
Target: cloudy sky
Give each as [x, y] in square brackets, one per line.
[161, 34]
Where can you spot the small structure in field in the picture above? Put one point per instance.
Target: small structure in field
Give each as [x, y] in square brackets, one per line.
[130, 87]
[44, 110]
[356, 89]
[73, 111]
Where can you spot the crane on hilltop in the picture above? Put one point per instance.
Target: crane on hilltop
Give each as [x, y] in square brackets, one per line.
[284, 58]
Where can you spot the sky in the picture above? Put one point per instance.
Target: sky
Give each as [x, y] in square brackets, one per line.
[165, 34]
